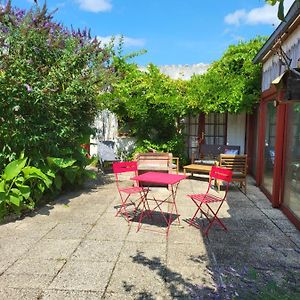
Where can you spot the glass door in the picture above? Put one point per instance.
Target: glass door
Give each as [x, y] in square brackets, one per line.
[213, 129]
[269, 147]
[191, 134]
[292, 161]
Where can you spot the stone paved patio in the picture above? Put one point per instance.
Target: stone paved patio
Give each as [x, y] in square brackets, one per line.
[76, 249]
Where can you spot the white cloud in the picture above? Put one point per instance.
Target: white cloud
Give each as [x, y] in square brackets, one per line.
[95, 5]
[235, 18]
[265, 14]
[128, 41]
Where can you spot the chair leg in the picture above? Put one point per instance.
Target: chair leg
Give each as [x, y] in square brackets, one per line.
[122, 209]
[195, 214]
[215, 218]
[210, 220]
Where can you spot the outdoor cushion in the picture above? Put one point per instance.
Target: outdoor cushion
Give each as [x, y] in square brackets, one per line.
[231, 151]
[205, 161]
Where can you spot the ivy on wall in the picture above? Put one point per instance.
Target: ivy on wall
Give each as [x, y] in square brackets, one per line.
[231, 84]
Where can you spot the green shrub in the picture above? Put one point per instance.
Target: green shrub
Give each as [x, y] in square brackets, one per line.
[21, 185]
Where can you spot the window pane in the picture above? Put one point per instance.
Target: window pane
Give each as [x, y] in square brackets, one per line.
[292, 167]
[269, 151]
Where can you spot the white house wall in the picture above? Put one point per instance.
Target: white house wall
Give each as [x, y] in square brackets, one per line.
[272, 68]
[106, 125]
[236, 128]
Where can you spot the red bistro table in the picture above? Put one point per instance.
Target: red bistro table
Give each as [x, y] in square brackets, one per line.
[172, 181]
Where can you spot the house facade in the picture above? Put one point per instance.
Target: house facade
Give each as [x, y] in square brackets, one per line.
[215, 129]
[273, 131]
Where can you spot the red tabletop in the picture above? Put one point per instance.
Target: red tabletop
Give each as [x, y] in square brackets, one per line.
[157, 177]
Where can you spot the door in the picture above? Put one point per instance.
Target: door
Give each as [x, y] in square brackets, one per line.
[212, 129]
[269, 147]
[291, 198]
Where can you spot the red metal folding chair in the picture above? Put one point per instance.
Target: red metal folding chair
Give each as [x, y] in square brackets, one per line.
[126, 192]
[216, 174]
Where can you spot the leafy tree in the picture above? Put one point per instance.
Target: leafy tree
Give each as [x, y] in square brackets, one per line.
[231, 84]
[148, 103]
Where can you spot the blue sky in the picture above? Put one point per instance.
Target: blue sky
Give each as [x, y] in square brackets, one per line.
[172, 31]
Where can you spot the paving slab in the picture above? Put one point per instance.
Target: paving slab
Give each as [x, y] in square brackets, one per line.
[20, 294]
[36, 266]
[137, 251]
[11, 248]
[53, 249]
[83, 276]
[146, 277]
[109, 232]
[26, 281]
[70, 295]
[184, 282]
[94, 250]
[69, 231]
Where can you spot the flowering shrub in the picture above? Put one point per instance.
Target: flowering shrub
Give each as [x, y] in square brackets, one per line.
[50, 78]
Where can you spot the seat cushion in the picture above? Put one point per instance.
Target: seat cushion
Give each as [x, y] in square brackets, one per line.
[209, 162]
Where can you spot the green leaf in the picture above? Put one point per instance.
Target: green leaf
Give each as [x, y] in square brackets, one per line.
[14, 168]
[50, 173]
[61, 163]
[3, 197]
[281, 11]
[71, 173]
[41, 187]
[33, 172]
[90, 174]
[25, 190]
[2, 186]
[58, 182]
[15, 200]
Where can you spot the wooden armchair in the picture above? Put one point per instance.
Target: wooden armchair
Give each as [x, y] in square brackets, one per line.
[238, 165]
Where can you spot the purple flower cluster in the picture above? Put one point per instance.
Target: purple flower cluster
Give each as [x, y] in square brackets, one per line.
[28, 88]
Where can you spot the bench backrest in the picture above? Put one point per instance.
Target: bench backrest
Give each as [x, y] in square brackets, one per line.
[154, 161]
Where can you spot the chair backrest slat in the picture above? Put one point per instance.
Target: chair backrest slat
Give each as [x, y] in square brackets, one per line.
[125, 166]
[221, 174]
[237, 163]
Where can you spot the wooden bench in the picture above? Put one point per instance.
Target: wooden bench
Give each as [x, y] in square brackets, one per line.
[154, 162]
[238, 165]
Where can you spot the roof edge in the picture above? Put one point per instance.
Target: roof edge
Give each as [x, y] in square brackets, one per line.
[292, 14]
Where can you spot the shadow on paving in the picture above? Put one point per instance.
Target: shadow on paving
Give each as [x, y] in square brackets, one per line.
[244, 282]
[155, 218]
[174, 280]
[254, 259]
